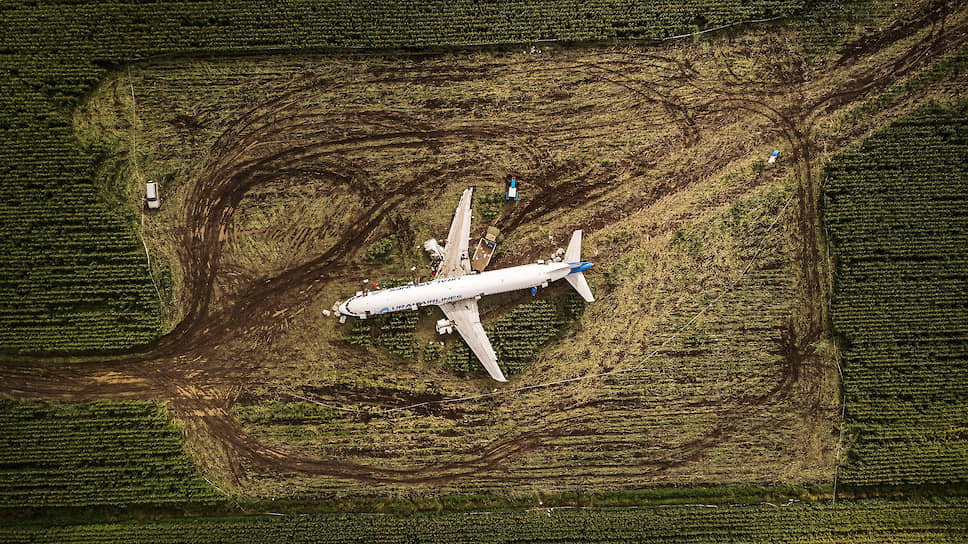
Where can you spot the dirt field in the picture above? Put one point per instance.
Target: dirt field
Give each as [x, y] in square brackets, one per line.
[283, 171]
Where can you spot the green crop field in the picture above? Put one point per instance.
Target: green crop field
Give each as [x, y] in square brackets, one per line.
[94, 455]
[848, 523]
[897, 211]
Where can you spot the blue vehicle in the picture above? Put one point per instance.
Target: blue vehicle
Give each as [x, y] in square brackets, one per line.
[512, 190]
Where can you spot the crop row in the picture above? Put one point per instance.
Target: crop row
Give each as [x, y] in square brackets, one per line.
[895, 210]
[101, 453]
[516, 337]
[381, 23]
[848, 522]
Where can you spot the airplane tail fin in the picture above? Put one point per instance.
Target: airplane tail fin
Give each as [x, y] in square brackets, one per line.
[576, 278]
[573, 253]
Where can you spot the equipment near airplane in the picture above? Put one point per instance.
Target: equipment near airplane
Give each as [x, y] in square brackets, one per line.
[456, 289]
[485, 249]
[511, 191]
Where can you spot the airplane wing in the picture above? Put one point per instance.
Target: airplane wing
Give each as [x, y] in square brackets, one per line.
[467, 321]
[456, 262]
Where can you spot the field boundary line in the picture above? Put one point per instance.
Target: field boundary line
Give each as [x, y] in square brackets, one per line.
[217, 488]
[327, 405]
[840, 439]
[721, 27]
[404, 49]
[134, 120]
[134, 157]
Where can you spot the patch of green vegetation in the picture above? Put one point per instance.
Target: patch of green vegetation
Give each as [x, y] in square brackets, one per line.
[459, 358]
[381, 250]
[745, 225]
[433, 351]
[827, 24]
[395, 332]
[517, 337]
[488, 204]
[276, 412]
[357, 332]
[950, 69]
[522, 332]
[895, 210]
[166, 284]
[848, 522]
[92, 455]
[573, 306]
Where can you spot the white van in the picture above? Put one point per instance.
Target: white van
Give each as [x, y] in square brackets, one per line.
[151, 190]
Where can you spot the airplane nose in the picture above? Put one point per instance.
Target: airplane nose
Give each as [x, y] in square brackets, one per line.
[342, 309]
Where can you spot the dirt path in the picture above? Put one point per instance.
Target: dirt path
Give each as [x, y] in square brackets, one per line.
[193, 368]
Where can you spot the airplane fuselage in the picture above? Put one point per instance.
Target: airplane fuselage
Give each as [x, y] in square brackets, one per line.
[442, 291]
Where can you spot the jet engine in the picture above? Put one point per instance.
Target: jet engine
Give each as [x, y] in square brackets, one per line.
[431, 246]
[445, 326]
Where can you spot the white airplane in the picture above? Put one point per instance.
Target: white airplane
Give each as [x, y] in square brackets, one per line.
[456, 288]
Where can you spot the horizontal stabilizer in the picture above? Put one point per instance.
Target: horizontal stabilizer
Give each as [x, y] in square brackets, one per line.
[575, 277]
[581, 285]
